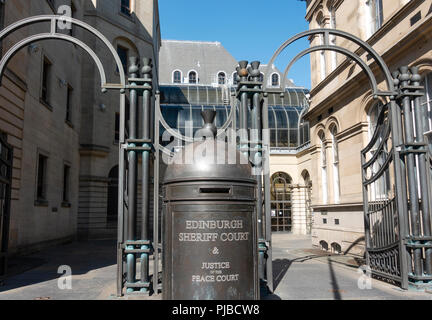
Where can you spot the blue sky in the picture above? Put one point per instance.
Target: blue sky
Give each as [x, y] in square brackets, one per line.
[248, 29]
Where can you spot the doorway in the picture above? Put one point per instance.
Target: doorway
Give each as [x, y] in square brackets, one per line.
[281, 202]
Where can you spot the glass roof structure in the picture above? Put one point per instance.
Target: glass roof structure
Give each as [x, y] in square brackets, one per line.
[182, 106]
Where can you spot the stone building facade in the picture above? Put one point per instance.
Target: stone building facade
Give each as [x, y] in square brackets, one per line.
[204, 78]
[133, 34]
[342, 111]
[61, 126]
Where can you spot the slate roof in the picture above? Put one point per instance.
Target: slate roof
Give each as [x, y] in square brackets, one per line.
[206, 58]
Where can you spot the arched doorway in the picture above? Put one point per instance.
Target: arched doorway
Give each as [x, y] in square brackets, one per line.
[112, 197]
[281, 206]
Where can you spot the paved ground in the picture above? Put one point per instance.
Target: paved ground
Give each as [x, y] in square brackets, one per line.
[301, 273]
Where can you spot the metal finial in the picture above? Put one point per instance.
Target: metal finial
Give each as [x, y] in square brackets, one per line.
[133, 67]
[147, 69]
[209, 117]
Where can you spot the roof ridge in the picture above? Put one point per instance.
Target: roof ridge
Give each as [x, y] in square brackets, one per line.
[193, 41]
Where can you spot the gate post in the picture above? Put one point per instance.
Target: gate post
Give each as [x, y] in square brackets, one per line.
[425, 192]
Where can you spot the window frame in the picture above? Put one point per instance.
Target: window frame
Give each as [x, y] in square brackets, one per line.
[196, 77]
[72, 31]
[125, 66]
[41, 198]
[335, 160]
[116, 127]
[224, 78]
[126, 10]
[66, 185]
[323, 166]
[45, 84]
[375, 14]
[278, 81]
[427, 99]
[69, 104]
[234, 78]
[174, 74]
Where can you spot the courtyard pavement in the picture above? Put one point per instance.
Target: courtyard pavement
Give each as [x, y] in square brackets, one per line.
[300, 272]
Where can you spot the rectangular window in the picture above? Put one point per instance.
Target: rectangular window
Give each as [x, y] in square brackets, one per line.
[46, 76]
[324, 221]
[66, 176]
[337, 222]
[426, 102]
[73, 15]
[41, 178]
[323, 71]
[123, 54]
[126, 7]
[375, 16]
[69, 104]
[117, 127]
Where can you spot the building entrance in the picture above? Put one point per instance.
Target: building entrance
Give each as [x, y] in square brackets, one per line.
[281, 203]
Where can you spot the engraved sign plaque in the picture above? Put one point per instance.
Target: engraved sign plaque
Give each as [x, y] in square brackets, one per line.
[212, 255]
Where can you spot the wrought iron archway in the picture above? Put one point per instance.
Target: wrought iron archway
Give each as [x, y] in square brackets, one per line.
[120, 86]
[413, 242]
[398, 229]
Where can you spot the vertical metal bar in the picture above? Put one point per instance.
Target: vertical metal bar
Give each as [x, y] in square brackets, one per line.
[120, 213]
[256, 137]
[400, 192]
[411, 171]
[425, 192]
[132, 174]
[243, 73]
[156, 167]
[146, 112]
[267, 197]
[366, 210]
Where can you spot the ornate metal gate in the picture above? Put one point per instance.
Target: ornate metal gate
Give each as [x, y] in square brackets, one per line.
[6, 157]
[395, 166]
[382, 225]
[397, 188]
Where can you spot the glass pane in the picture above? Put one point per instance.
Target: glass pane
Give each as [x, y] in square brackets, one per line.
[273, 140]
[282, 138]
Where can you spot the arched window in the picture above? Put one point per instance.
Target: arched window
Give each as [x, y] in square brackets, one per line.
[193, 77]
[275, 80]
[235, 78]
[323, 166]
[427, 101]
[261, 77]
[281, 202]
[177, 77]
[221, 78]
[335, 149]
